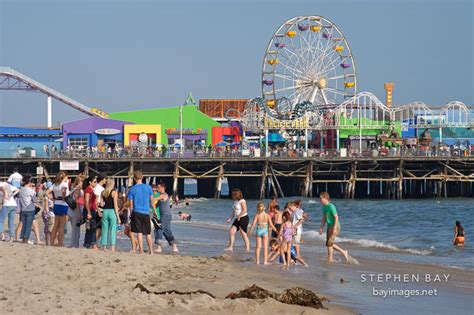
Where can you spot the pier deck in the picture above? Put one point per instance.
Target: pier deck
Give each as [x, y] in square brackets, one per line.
[361, 177]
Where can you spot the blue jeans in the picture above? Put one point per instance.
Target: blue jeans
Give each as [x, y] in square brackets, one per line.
[10, 213]
[165, 230]
[26, 224]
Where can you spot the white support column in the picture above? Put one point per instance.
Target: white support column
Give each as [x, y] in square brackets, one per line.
[440, 134]
[50, 112]
[337, 139]
[266, 142]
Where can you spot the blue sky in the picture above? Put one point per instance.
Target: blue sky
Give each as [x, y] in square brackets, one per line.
[126, 55]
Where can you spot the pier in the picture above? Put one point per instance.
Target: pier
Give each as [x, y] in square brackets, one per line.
[258, 178]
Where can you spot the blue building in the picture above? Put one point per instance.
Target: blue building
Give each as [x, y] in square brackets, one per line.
[27, 141]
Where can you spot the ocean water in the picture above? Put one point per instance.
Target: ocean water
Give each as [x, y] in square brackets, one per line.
[408, 230]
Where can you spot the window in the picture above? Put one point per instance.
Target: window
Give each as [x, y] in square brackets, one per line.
[76, 142]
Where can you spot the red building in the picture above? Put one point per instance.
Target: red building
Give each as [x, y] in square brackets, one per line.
[227, 134]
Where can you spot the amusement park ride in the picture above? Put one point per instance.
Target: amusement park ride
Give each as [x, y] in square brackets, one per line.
[309, 82]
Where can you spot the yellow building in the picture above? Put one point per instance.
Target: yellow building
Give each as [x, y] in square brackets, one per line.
[149, 134]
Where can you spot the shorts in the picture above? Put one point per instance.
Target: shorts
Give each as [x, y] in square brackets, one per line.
[60, 210]
[277, 227]
[242, 224]
[331, 237]
[297, 239]
[140, 223]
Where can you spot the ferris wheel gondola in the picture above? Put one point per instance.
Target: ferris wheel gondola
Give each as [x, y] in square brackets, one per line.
[308, 60]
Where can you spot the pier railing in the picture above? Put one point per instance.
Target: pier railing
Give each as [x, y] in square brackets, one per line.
[290, 154]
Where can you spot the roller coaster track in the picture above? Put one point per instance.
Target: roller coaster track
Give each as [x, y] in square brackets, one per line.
[11, 79]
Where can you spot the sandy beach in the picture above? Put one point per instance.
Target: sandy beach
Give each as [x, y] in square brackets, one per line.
[41, 279]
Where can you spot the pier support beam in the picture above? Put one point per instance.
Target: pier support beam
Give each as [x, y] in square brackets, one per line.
[130, 174]
[219, 181]
[264, 177]
[175, 179]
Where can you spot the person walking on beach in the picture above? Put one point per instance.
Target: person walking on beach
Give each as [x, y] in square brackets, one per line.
[75, 214]
[90, 213]
[58, 193]
[110, 216]
[241, 222]
[459, 234]
[165, 216]
[263, 222]
[331, 218]
[140, 198]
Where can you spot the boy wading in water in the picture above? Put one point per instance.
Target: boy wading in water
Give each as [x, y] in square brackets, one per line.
[332, 219]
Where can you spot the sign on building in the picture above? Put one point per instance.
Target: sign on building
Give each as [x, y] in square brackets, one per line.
[69, 165]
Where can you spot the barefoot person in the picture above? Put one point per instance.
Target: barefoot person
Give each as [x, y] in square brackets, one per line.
[263, 222]
[140, 199]
[332, 219]
[165, 216]
[241, 221]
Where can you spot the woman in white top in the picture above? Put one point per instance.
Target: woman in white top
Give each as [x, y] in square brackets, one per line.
[58, 193]
[241, 221]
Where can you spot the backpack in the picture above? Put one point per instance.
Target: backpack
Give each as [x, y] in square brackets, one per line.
[71, 201]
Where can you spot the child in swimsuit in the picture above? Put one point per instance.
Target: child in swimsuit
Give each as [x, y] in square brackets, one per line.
[286, 234]
[459, 234]
[262, 220]
[279, 251]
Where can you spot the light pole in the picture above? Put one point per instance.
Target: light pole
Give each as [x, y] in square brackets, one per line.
[181, 129]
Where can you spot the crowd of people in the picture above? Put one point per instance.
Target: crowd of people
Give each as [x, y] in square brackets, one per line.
[92, 202]
[95, 203]
[281, 229]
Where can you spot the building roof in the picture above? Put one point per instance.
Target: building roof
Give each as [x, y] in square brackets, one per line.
[16, 131]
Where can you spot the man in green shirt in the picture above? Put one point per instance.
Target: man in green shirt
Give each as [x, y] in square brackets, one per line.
[332, 219]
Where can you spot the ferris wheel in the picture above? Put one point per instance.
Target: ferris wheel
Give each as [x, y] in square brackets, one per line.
[308, 60]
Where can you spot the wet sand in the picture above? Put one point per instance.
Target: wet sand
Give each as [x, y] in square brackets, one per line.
[41, 279]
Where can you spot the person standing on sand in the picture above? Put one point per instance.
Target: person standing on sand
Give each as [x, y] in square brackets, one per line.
[75, 214]
[27, 200]
[332, 219]
[98, 189]
[241, 222]
[90, 213]
[140, 198]
[110, 215]
[58, 193]
[165, 216]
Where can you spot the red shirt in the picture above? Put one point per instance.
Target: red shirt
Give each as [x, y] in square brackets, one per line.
[92, 198]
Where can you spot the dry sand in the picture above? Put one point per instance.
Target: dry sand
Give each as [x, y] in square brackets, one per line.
[50, 280]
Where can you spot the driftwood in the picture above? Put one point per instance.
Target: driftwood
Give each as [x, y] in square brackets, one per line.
[294, 296]
[142, 288]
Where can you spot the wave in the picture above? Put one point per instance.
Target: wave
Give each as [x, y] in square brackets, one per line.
[312, 201]
[370, 244]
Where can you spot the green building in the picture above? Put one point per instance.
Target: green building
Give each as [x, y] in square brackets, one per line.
[168, 118]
